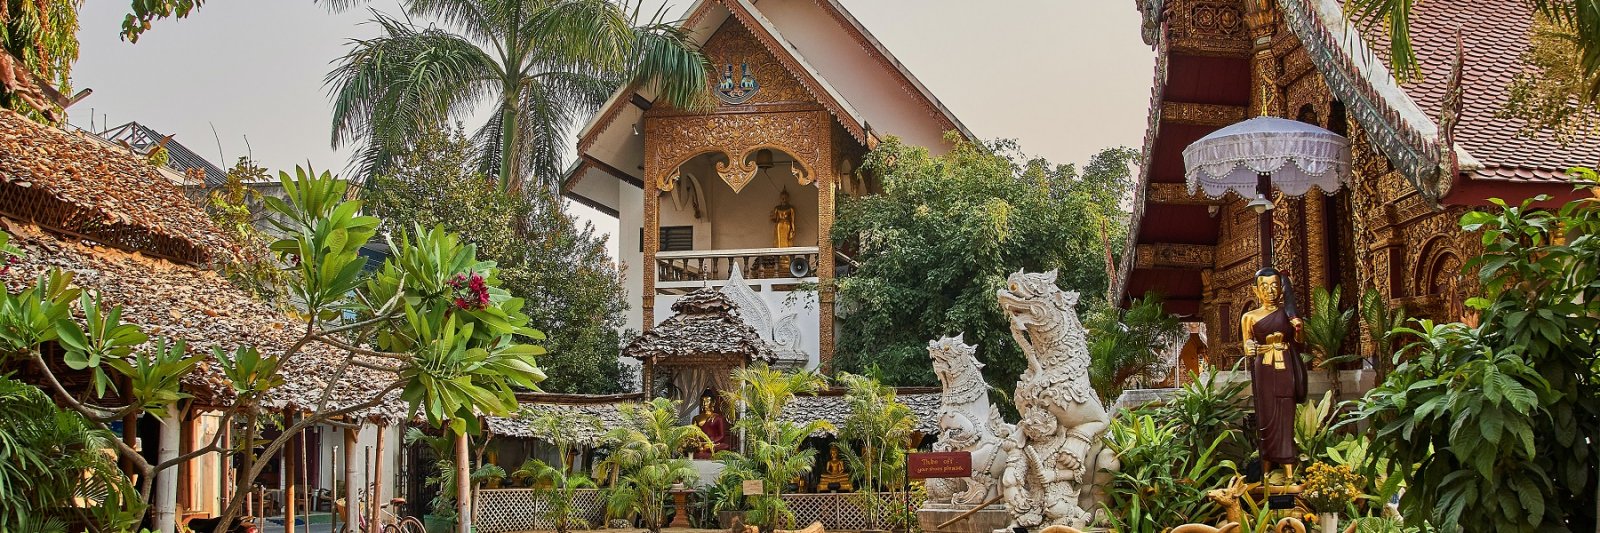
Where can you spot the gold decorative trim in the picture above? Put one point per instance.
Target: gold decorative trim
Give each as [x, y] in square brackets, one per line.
[1167, 255]
[1202, 114]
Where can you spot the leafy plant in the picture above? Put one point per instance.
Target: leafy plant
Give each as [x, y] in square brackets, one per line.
[54, 470]
[774, 447]
[1381, 322]
[649, 455]
[1491, 423]
[563, 431]
[1163, 480]
[1127, 344]
[1326, 330]
[1314, 423]
[883, 425]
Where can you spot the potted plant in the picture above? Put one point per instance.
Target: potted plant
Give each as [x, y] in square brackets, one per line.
[1329, 490]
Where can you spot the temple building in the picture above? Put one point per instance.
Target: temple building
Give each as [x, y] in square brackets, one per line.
[1423, 152]
[743, 194]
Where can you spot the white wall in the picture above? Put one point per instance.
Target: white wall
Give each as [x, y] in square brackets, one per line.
[802, 304]
[332, 449]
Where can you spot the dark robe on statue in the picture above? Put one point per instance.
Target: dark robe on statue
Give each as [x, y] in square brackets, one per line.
[1277, 388]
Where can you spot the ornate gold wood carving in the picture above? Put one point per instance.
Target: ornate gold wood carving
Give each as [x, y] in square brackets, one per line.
[674, 140]
[732, 46]
[1167, 255]
[1202, 114]
[1207, 27]
[1176, 194]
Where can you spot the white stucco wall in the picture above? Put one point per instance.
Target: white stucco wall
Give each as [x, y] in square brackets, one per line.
[331, 449]
[799, 306]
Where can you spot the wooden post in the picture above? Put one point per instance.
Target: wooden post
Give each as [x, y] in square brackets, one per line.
[288, 464]
[377, 481]
[463, 485]
[351, 505]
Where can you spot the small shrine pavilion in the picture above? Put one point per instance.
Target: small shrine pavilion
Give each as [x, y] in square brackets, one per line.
[698, 347]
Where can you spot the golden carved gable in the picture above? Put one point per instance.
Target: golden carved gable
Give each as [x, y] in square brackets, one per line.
[673, 140]
[734, 46]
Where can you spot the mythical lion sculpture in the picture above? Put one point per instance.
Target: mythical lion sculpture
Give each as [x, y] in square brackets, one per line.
[1057, 468]
[967, 422]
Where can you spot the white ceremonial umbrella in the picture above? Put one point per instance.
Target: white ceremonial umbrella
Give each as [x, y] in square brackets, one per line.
[1295, 156]
[1251, 157]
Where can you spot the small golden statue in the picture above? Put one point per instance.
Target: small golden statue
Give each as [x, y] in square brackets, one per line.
[715, 427]
[1272, 337]
[783, 219]
[835, 479]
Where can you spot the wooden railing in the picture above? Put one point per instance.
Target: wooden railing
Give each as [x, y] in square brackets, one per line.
[691, 268]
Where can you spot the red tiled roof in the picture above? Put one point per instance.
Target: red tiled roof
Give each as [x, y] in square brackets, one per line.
[1494, 37]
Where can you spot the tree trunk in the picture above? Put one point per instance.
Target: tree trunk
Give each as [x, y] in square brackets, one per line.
[508, 143]
[377, 482]
[463, 485]
[167, 479]
[352, 505]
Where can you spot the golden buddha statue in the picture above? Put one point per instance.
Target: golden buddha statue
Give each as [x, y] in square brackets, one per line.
[783, 220]
[715, 427]
[1272, 337]
[835, 479]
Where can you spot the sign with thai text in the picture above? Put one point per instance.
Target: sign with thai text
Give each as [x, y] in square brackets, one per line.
[754, 487]
[939, 464]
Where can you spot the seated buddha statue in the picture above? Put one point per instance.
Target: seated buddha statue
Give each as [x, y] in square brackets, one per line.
[834, 478]
[715, 427]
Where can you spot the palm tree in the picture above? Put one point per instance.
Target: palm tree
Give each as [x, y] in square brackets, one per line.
[544, 64]
[763, 392]
[883, 425]
[650, 454]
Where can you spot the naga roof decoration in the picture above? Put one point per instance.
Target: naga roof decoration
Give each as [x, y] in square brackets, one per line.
[1357, 77]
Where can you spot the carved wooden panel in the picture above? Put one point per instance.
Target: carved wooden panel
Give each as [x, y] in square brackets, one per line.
[733, 46]
[1167, 255]
[673, 140]
[1176, 194]
[1208, 27]
[1202, 114]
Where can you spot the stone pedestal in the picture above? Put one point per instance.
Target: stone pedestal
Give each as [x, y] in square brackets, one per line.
[985, 521]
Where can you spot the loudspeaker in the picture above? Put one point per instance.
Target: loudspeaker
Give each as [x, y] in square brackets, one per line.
[799, 266]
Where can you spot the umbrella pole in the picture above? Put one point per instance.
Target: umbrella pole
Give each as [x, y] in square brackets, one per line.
[1264, 189]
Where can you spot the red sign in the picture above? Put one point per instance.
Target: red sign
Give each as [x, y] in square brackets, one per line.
[939, 464]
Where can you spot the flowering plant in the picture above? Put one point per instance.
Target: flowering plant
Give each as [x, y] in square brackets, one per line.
[1331, 488]
[471, 292]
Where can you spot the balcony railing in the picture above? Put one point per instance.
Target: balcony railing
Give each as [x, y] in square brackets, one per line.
[692, 268]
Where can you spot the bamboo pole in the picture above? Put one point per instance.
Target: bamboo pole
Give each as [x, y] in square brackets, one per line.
[963, 516]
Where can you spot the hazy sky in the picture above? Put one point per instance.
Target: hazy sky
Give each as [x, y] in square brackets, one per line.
[1064, 77]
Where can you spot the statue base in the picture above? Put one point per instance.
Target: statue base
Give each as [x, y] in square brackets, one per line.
[986, 520]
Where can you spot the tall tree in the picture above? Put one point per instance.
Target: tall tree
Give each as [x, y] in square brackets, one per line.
[38, 44]
[544, 65]
[943, 235]
[572, 288]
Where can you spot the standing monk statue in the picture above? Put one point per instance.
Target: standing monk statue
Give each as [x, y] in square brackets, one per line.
[1277, 374]
[783, 218]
